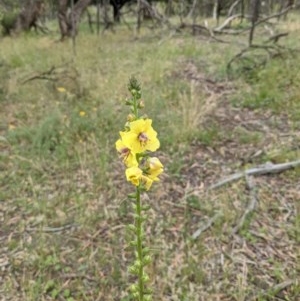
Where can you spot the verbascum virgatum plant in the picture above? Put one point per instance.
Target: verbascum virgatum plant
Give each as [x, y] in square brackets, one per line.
[137, 141]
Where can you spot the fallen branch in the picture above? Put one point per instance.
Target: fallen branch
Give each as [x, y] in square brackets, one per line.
[251, 205]
[226, 22]
[52, 229]
[275, 38]
[232, 7]
[43, 75]
[221, 28]
[273, 50]
[197, 28]
[54, 74]
[276, 289]
[274, 15]
[207, 225]
[154, 14]
[268, 168]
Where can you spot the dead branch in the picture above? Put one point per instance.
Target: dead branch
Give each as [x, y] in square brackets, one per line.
[53, 74]
[197, 28]
[46, 75]
[275, 38]
[226, 22]
[276, 288]
[207, 225]
[221, 28]
[274, 15]
[154, 14]
[52, 229]
[251, 205]
[232, 7]
[268, 168]
[272, 51]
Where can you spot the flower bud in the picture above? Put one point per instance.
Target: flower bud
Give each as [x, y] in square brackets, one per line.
[133, 92]
[132, 243]
[128, 102]
[133, 270]
[136, 295]
[132, 227]
[137, 264]
[133, 288]
[145, 278]
[130, 117]
[145, 251]
[147, 297]
[141, 104]
[146, 260]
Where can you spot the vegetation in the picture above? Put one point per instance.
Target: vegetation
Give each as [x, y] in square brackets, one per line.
[62, 206]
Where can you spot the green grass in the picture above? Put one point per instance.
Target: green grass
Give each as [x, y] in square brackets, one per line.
[63, 191]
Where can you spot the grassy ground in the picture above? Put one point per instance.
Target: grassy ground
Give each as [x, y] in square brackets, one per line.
[63, 194]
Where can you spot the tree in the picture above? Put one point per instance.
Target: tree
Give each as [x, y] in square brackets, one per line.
[25, 19]
[68, 22]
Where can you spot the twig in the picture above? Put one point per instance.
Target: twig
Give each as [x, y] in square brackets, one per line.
[52, 229]
[221, 28]
[51, 74]
[42, 75]
[74, 276]
[268, 168]
[232, 7]
[226, 22]
[198, 28]
[251, 205]
[276, 288]
[155, 15]
[276, 37]
[274, 15]
[207, 225]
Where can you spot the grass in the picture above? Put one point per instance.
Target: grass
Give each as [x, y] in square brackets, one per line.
[63, 194]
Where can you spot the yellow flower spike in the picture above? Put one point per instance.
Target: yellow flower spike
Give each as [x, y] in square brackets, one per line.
[154, 168]
[136, 140]
[133, 175]
[82, 113]
[128, 157]
[141, 136]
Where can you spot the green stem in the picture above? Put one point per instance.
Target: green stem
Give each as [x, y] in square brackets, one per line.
[139, 244]
[135, 107]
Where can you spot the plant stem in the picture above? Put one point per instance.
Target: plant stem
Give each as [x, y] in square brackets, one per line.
[135, 107]
[139, 244]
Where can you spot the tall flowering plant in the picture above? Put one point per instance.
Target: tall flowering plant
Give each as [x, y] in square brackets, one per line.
[137, 141]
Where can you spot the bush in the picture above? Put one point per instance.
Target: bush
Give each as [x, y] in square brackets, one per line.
[8, 22]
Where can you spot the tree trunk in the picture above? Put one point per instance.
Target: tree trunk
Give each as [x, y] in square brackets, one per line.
[68, 23]
[62, 16]
[29, 15]
[255, 10]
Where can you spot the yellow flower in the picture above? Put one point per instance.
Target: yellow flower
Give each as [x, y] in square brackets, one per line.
[141, 136]
[11, 126]
[154, 168]
[133, 175]
[146, 182]
[136, 177]
[128, 157]
[82, 113]
[61, 89]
